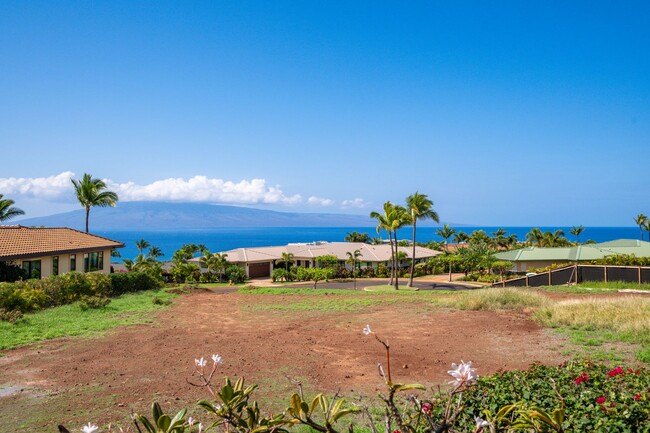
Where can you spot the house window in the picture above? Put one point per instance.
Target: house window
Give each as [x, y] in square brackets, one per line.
[73, 262]
[33, 268]
[55, 265]
[93, 261]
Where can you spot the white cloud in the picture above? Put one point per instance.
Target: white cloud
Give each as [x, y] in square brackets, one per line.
[51, 187]
[318, 201]
[356, 203]
[204, 189]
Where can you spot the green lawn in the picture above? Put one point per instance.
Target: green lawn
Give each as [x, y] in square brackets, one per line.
[71, 320]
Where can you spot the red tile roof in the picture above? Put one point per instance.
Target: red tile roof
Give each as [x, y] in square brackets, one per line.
[22, 242]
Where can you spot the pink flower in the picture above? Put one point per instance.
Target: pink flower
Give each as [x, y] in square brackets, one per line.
[615, 372]
[463, 374]
[426, 408]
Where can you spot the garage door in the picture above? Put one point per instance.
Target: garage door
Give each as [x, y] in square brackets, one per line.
[259, 270]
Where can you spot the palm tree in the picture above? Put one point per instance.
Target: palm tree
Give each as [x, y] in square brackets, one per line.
[553, 239]
[577, 231]
[534, 236]
[460, 237]
[357, 237]
[640, 220]
[420, 207]
[154, 253]
[352, 258]
[142, 245]
[646, 227]
[287, 258]
[7, 211]
[91, 192]
[446, 232]
[385, 222]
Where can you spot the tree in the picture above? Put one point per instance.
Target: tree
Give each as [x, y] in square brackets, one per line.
[534, 236]
[327, 261]
[553, 239]
[91, 192]
[461, 237]
[142, 245]
[352, 258]
[420, 207]
[155, 252]
[502, 266]
[640, 220]
[577, 231]
[393, 218]
[479, 237]
[646, 227]
[7, 211]
[446, 232]
[357, 237]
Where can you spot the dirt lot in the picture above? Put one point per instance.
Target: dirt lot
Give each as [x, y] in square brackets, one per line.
[74, 381]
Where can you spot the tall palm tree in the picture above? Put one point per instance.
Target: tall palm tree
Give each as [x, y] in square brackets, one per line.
[640, 220]
[420, 207]
[460, 237]
[91, 192]
[357, 237]
[352, 258]
[142, 245]
[446, 232]
[386, 221]
[646, 227]
[154, 253]
[7, 211]
[534, 236]
[577, 231]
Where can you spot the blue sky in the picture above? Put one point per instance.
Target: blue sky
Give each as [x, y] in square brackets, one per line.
[504, 113]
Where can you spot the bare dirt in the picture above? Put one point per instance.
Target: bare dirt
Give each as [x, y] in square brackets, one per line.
[101, 379]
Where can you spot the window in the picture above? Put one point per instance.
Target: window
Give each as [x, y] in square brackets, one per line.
[73, 262]
[93, 261]
[55, 265]
[33, 268]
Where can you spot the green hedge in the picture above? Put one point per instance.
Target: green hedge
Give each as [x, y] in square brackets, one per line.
[37, 294]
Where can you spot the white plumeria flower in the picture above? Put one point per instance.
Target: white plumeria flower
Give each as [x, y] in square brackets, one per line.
[201, 362]
[367, 330]
[480, 422]
[217, 359]
[200, 427]
[463, 373]
[89, 428]
[190, 421]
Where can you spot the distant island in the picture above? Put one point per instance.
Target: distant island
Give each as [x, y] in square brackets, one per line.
[144, 216]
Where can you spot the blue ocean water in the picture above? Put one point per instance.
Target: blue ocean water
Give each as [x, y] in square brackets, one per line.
[217, 240]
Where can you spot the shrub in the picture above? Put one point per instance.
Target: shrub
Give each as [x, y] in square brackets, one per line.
[133, 282]
[93, 302]
[235, 274]
[382, 271]
[100, 284]
[11, 316]
[279, 275]
[11, 272]
[160, 301]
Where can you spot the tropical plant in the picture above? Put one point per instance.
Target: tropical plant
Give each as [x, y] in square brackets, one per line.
[327, 261]
[640, 220]
[502, 267]
[92, 192]
[357, 237]
[142, 245]
[287, 259]
[420, 207]
[7, 211]
[479, 237]
[155, 253]
[646, 227]
[460, 237]
[577, 231]
[352, 259]
[446, 232]
[393, 218]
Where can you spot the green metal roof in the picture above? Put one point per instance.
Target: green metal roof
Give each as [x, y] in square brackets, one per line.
[578, 253]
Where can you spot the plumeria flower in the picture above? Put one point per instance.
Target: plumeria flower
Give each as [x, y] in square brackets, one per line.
[89, 428]
[200, 427]
[366, 330]
[217, 359]
[480, 422]
[201, 362]
[463, 374]
[190, 421]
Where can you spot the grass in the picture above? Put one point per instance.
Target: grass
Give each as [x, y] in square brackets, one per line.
[494, 299]
[216, 285]
[613, 285]
[592, 321]
[70, 320]
[390, 289]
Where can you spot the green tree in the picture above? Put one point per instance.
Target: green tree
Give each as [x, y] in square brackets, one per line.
[357, 237]
[502, 267]
[92, 192]
[327, 261]
[461, 237]
[640, 220]
[287, 259]
[577, 231]
[534, 236]
[155, 253]
[420, 207]
[142, 245]
[479, 237]
[646, 227]
[446, 232]
[7, 211]
[353, 257]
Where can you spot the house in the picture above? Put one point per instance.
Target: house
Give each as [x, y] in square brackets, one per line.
[260, 262]
[528, 258]
[52, 251]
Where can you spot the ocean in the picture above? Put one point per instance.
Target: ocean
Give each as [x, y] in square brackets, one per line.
[218, 240]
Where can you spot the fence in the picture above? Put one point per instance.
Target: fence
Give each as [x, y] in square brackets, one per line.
[582, 273]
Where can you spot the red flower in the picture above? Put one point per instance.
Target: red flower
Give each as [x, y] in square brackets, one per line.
[615, 372]
[582, 378]
[637, 397]
[600, 400]
[426, 408]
